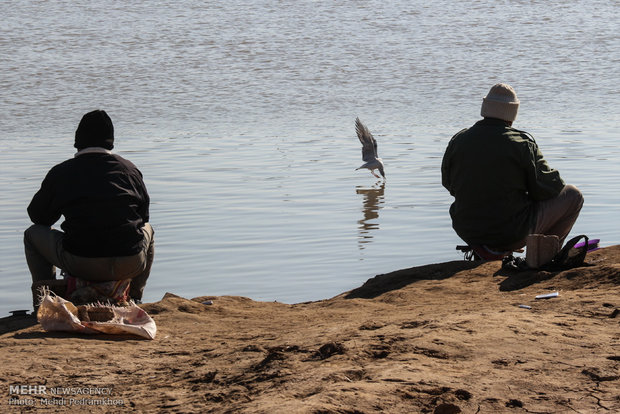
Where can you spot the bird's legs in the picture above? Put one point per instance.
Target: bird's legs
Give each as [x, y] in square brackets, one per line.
[373, 173]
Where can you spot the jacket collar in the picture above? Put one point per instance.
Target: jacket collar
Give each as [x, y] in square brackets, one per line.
[93, 150]
[493, 121]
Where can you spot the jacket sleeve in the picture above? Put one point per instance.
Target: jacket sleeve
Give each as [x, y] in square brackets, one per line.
[146, 201]
[446, 165]
[543, 182]
[445, 173]
[144, 209]
[41, 209]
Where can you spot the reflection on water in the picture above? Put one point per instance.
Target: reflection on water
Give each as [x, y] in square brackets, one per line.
[373, 199]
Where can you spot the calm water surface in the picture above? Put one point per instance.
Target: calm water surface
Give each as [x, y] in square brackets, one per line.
[241, 116]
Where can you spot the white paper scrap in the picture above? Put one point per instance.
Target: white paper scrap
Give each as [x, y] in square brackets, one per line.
[548, 295]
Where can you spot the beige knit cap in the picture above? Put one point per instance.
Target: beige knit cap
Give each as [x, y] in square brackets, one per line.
[501, 102]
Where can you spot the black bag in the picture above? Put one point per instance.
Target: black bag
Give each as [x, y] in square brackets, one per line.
[567, 258]
[570, 256]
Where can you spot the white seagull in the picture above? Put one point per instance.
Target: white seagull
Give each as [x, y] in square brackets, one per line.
[369, 149]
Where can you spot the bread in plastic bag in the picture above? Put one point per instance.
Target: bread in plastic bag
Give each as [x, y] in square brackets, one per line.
[58, 314]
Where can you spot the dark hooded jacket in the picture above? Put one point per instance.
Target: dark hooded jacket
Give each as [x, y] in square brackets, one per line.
[496, 174]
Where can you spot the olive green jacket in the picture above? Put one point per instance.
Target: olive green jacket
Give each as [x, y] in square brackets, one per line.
[496, 174]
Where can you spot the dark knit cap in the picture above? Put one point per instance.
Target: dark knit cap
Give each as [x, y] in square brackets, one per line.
[95, 130]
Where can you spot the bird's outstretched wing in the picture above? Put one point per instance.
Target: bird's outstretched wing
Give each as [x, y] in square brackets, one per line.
[369, 143]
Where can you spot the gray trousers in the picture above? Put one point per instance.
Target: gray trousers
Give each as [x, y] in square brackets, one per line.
[44, 252]
[555, 216]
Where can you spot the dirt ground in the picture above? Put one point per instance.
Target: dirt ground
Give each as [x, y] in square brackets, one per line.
[442, 338]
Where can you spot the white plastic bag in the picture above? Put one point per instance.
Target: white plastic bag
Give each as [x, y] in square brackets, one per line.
[58, 314]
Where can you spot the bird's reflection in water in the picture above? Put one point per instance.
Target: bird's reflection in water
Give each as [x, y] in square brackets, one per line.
[373, 200]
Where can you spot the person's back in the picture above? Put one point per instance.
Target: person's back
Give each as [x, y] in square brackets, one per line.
[488, 169]
[103, 200]
[499, 178]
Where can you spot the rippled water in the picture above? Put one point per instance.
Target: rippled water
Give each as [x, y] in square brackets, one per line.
[241, 116]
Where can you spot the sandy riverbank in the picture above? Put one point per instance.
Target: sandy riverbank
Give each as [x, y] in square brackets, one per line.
[443, 338]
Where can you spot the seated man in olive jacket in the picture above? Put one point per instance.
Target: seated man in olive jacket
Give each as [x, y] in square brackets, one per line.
[106, 235]
[502, 186]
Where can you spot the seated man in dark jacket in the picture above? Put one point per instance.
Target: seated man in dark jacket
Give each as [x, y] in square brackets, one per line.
[106, 235]
[502, 186]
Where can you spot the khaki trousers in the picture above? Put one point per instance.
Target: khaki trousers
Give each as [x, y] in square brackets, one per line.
[555, 216]
[44, 252]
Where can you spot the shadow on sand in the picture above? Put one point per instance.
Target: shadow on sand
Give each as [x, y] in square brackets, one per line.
[16, 323]
[73, 335]
[381, 284]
